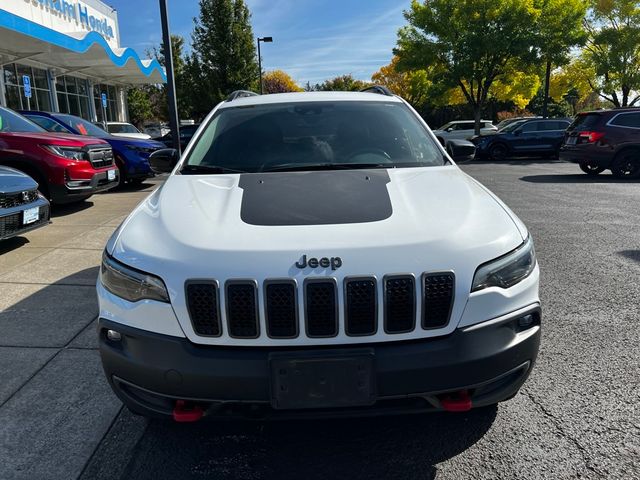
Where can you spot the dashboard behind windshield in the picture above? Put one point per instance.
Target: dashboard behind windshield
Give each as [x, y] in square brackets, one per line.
[261, 138]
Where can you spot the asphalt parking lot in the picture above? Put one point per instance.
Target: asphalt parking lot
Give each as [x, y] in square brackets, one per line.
[576, 417]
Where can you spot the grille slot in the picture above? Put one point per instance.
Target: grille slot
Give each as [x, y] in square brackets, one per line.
[281, 309]
[242, 309]
[438, 299]
[321, 308]
[399, 304]
[11, 225]
[204, 308]
[12, 200]
[361, 306]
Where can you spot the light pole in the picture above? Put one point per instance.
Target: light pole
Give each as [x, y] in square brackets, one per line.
[174, 124]
[265, 40]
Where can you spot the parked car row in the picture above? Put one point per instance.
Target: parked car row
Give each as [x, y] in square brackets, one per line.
[53, 157]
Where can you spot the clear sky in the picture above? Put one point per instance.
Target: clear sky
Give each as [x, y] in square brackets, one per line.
[313, 39]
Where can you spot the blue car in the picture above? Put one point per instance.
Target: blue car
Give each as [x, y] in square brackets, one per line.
[131, 154]
[527, 137]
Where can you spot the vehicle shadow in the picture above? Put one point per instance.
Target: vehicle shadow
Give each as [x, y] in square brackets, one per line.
[10, 244]
[575, 178]
[69, 208]
[631, 255]
[404, 447]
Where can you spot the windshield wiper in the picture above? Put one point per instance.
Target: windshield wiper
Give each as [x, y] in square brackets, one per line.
[207, 170]
[296, 167]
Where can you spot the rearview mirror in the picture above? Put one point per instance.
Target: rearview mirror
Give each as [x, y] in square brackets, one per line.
[461, 150]
[163, 160]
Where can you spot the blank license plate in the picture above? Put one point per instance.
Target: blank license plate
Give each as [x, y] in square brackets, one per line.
[30, 215]
[111, 175]
[322, 381]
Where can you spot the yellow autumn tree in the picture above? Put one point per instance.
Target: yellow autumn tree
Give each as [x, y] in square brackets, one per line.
[278, 81]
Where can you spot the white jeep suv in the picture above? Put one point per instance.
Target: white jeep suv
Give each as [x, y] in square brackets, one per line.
[316, 254]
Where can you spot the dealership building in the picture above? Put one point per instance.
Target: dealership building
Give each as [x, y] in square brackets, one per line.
[65, 56]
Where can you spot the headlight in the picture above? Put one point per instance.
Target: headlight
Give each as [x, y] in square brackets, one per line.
[506, 271]
[130, 284]
[72, 153]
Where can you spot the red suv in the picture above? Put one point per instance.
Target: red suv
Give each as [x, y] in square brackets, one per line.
[605, 139]
[68, 168]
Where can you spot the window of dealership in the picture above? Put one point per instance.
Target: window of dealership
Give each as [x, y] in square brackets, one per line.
[69, 53]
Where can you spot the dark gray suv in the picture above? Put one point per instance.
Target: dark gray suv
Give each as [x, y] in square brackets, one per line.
[605, 139]
[22, 207]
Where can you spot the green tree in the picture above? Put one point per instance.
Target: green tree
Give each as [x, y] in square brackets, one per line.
[182, 79]
[613, 48]
[414, 86]
[140, 108]
[224, 54]
[559, 28]
[343, 83]
[471, 42]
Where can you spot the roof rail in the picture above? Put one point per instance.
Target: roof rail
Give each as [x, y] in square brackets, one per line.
[379, 89]
[240, 94]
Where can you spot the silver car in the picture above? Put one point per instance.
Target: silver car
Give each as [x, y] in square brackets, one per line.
[22, 207]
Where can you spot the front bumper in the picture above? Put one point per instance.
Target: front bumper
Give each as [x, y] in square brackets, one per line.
[78, 189]
[490, 360]
[12, 219]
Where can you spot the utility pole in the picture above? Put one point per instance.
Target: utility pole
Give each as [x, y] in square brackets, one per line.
[174, 124]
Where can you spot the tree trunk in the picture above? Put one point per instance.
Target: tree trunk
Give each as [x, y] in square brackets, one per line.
[477, 115]
[545, 105]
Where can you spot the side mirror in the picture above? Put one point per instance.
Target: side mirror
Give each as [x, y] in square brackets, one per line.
[461, 150]
[517, 131]
[450, 129]
[163, 160]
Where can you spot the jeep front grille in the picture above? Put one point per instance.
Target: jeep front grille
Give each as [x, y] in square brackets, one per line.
[399, 304]
[321, 308]
[242, 309]
[438, 299]
[203, 306]
[281, 309]
[360, 307]
[370, 307]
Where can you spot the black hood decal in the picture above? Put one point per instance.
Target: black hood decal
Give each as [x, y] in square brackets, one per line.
[315, 198]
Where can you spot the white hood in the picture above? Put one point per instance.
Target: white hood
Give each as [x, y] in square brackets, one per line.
[192, 227]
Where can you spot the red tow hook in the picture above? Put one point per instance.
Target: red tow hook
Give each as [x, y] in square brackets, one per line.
[184, 412]
[456, 401]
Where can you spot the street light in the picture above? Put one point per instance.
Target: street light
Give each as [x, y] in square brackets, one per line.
[265, 40]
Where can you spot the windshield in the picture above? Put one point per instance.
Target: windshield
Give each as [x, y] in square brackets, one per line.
[122, 128]
[301, 136]
[13, 122]
[512, 126]
[83, 127]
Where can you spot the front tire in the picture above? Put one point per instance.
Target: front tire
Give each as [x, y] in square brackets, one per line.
[591, 169]
[499, 152]
[626, 164]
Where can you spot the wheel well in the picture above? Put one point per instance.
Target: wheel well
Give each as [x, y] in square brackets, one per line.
[627, 149]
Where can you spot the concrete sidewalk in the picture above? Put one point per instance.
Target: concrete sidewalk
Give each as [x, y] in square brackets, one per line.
[55, 405]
